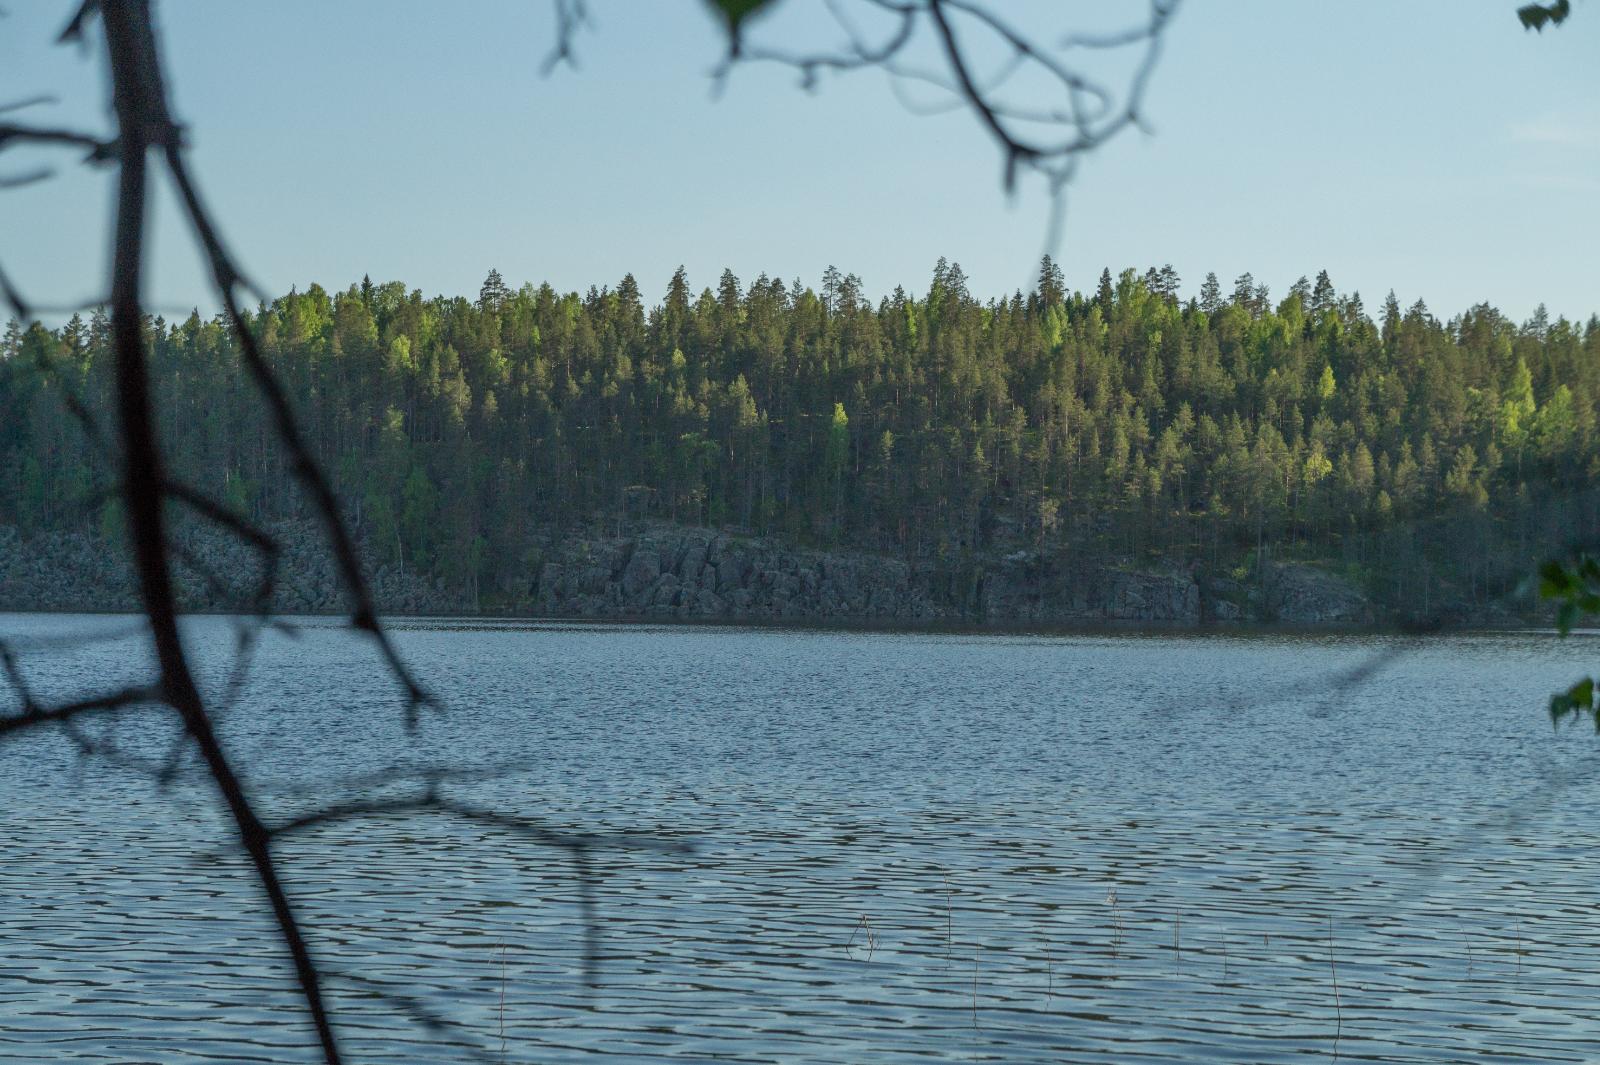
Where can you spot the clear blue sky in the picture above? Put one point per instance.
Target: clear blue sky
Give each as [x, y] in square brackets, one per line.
[1431, 146]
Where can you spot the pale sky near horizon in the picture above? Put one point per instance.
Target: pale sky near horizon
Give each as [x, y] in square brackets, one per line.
[1429, 146]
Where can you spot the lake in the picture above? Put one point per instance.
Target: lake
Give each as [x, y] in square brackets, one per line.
[905, 847]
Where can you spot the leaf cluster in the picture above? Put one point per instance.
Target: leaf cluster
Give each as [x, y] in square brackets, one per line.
[1574, 587]
[1538, 16]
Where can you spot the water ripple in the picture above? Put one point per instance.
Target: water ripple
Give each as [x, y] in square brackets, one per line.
[907, 848]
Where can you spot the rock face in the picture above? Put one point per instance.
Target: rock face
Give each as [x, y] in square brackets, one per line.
[1297, 594]
[62, 571]
[215, 572]
[674, 572]
[678, 572]
[1029, 586]
[696, 573]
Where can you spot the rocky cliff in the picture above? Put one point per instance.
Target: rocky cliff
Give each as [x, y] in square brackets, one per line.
[689, 573]
[697, 573]
[215, 571]
[685, 573]
[1052, 588]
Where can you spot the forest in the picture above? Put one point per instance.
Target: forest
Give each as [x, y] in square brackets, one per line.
[1418, 456]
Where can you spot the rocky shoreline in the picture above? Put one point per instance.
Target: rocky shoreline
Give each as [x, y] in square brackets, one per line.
[700, 574]
[216, 572]
[693, 574]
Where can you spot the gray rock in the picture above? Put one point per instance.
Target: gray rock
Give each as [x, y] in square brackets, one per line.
[731, 571]
[666, 570]
[1298, 594]
[640, 573]
[694, 558]
[214, 571]
[665, 592]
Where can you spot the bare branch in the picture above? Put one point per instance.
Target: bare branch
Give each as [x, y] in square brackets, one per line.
[1090, 114]
[571, 16]
[430, 801]
[856, 55]
[578, 845]
[1015, 151]
[73, 31]
[423, 775]
[218, 514]
[13, 298]
[34, 714]
[27, 310]
[140, 105]
[31, 177]
[31, 101]
[99, 150]
[1160, 11]
[423, 1015]
[226, 280]
[77, 406]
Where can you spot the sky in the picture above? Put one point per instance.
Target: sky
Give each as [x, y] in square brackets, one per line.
[1428, 146]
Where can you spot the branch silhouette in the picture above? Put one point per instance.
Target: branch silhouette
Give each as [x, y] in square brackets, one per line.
[144, 126]
[1091, 112]
[146, 142]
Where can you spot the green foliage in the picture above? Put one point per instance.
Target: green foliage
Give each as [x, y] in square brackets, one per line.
[1326, 386]
[1578, 700]
[1123, 422]
[1537, 16]
[838, 438]
[1575, 589]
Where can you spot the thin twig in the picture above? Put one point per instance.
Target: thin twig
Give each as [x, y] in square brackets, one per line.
[143, 122]
[1338, 1006]
[502, 998]
[226, 279]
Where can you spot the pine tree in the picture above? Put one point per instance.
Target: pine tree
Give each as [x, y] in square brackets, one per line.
[1322, 295]
[1168, 282]
[1391, 319]
[1051, 290]
[1244, 290]
[493, 295]
[1538, 326]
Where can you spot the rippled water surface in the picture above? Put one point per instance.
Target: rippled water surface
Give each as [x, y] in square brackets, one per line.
[905, 847]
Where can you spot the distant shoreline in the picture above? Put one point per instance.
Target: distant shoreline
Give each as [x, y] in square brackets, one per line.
[867, 626]
[660, 573]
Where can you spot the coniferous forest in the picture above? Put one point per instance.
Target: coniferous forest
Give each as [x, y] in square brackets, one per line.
[1130, 424]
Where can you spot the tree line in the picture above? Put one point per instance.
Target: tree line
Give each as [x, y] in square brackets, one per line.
[1127, 424]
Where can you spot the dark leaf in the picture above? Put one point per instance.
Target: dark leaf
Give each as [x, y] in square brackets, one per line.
[1578, 699]
[734, 12]
[1554, 580]
[1536, 16]
[1560, 707]
[1582, 693]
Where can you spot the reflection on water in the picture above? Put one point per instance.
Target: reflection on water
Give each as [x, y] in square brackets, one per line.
[907, 847]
